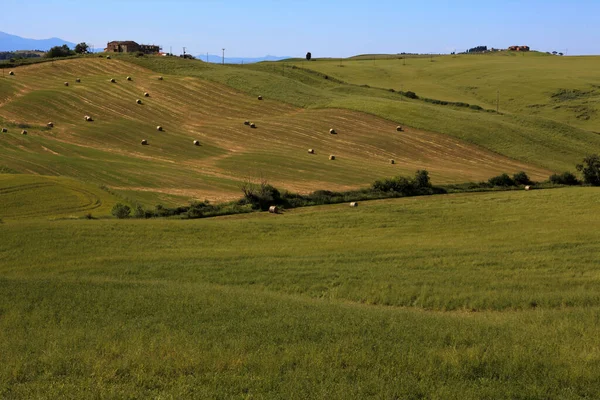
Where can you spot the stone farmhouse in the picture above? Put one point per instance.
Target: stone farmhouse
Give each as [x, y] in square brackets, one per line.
[129, 46]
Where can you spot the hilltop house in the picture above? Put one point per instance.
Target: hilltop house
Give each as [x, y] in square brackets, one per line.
[129, 46]
[518, 48]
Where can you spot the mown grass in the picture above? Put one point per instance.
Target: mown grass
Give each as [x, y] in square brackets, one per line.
[548, 139]
[43, 197]
[190, 106]
[473, 296]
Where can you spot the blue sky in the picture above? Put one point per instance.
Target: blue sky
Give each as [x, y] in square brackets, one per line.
[326, 28]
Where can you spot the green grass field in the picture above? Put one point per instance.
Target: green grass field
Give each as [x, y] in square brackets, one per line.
[473, 296]
[193, 105]
[35, 197]
[462, 296]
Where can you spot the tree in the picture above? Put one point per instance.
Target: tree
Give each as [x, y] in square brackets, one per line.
[60, 51]
[590, 169]
[308, 56]
[82, 48]
[121, 211]
[521, 178]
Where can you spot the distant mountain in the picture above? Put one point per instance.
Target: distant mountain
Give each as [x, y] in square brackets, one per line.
[238, 60]
[12, 43]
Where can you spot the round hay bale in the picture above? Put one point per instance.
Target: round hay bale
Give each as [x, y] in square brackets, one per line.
[260, 97]
[128, 78]
[108, 57]
[4, 130]
[246, 122]
[159, 128]
[332, 157]
[50, 125]
[354, 204]
[66, 83]
[144, 142]
[146, 94]
[160, 78]
[11, 73]
[332, 131]
[196, 143]
[274, 210]
[311, 151]
[113, 80]
[78, 80]
[527, 187]
[253, 125]
[23, 132]
[138, 101]
[392, 162]
[399, 128]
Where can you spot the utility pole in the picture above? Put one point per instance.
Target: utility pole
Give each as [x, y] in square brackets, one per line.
[184, 52]
[223, 56]
[170, 50]
[498, 101]
[207, 56]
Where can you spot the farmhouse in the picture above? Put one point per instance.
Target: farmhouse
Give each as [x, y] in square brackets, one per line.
[518, 48]
[129, 46]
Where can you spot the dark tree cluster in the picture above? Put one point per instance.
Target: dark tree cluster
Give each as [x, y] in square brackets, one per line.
[478, 49]
[60, 51]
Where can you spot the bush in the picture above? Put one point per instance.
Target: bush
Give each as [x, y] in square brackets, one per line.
[121, 211]
[139, 212]
[420, 184]
[566, 178]
[475, 107]
[422, 179]
[590, 169]
[411, 95]
[501, 180]
[260, 196]
[521, 178]
[60, 51]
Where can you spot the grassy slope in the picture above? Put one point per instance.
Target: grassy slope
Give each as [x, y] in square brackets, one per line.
[521, 134]
[34, 196]
[466, 296]
[190, 105]
[527, 82]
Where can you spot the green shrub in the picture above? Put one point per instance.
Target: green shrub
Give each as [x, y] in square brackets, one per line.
[521, 178]
[475, 107]
[260, 195]
[411, 95]
[566, 178]
[422, 179]
[59, 51]
[501, 180]
[121, 211]
[139, 212]
[590, 170]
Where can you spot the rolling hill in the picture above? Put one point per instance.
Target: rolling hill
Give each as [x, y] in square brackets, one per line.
[196, 101]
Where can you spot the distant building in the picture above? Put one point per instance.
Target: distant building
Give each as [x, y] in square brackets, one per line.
[129, 46]
[518, 48]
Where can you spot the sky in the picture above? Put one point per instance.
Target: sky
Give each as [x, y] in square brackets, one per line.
[326, 28]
